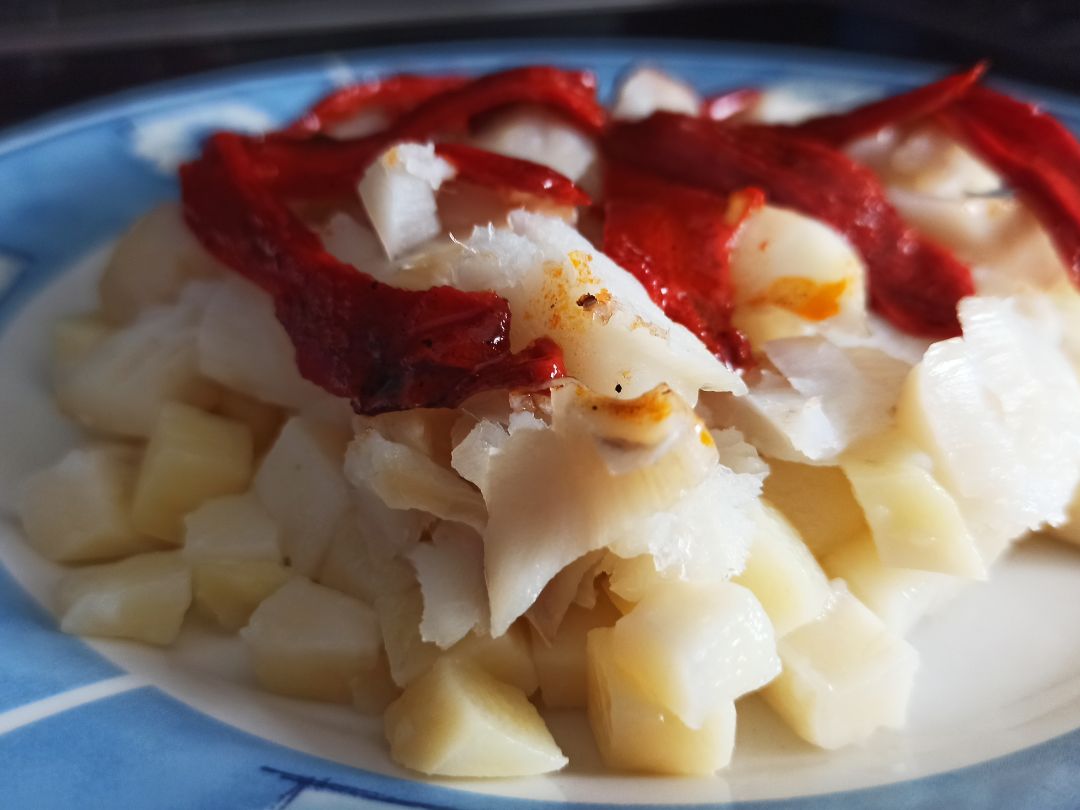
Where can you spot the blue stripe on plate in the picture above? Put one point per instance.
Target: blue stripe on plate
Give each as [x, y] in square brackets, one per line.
[36, 659]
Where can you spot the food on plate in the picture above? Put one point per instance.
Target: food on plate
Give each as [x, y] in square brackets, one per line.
[462, 400]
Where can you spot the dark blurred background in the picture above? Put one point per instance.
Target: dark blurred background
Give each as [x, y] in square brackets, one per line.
[54, 52]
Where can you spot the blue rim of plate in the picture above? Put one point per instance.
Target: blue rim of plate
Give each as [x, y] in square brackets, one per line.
[82, 756]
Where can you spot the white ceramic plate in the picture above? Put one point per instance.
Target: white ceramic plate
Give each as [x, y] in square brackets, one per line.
[996, 716]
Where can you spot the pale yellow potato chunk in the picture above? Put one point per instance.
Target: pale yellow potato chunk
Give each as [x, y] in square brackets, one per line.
[310, 641]
[818, 501]
[78, 509]
[192, 456]
[914, 520]
[635, 733]
[845, 676]
[457, 720]
[302, 486]
[73, 338]
[899, 596]
[143, 598]
[264, 419]
[232, 527]
[227, 591]
[783, 574]
[695, 648]
[151, 263]
[508, 657]
[560, 665]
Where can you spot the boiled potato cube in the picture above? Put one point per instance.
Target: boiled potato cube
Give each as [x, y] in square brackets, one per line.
[302, 486]
[122, 383]
[899, 596]
[151, 262]
[845, 676]
[783, 574]
[143, 598]
[818, 501]
[508, 657]
[634, 733]
[78, 509]
[695, 648]
[265, 420]
[373, 690]
[309, 641]
[192, 456]
[560, 666]
[73, 338]
[227, 592]
[914, 520]
[459, 721]
[232, 527]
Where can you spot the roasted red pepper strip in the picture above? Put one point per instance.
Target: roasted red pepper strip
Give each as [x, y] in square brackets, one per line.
[677, 241]
[382, 347]
[913, 283]
[1036, 154]
[571, 94]
[392, 96]
[502, 173]
[727, 105]
[893, 111]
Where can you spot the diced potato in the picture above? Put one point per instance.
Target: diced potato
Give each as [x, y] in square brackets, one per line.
[460, 721]
[151, 263]
[78, 509]
[73, 338]
[844, 676]
[560, 665]
[124, 381]
[508, 657]
[399, 618]
[696, 648]
[265, 420]
[241, 344]
[817, 500]
[914, 520]
[143, 598]
[899, 596]
[192, 456]
[634, 733]
[309, 641]
[233, 527]
[374, 689]
[783, 574]
[228, 591]
[301, 484]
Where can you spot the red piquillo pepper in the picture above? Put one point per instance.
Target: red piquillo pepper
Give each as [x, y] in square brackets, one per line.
[392, 96]
[382, 347]
[501, 173]
[321, 167]
[677, 241]
[896, 110]
[913, 283]
[1035, 153]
